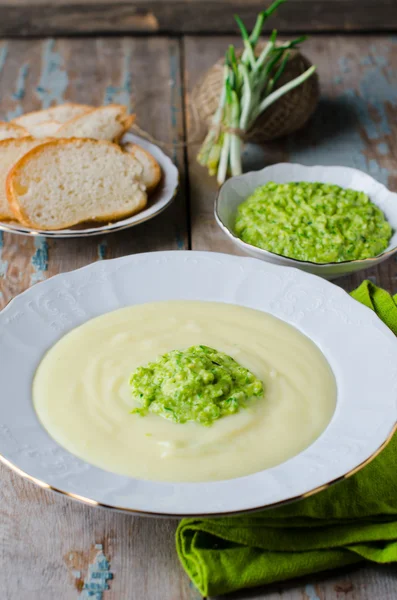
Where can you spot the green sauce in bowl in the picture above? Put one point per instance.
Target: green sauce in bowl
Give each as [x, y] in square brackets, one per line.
[314, 222]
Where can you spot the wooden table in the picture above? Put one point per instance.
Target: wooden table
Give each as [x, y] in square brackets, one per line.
[48, 542]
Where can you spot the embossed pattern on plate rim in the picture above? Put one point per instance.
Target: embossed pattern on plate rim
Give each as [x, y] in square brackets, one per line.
[304, 300]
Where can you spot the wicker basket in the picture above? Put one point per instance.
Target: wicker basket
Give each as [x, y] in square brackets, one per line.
[286, 115]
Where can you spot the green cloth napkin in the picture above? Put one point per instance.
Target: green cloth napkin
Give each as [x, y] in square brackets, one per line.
[349, 522]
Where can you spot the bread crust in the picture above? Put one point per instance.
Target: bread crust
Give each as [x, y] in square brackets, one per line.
[22, 132]
[18, 210]
[15, 142]
[126, 121]
[21, 118]
[34, 129]
[132, 149]
[123, 118]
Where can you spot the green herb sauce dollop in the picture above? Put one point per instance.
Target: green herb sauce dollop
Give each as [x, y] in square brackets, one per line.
[198, 384]
[315, 222]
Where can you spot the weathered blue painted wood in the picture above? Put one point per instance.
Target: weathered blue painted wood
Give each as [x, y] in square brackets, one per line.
[355, 123]
[98, 577]
[41, 73]
[50, 542]
[39, 260]
[122, 93]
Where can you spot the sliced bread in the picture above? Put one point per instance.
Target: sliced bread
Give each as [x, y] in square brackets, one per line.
[151, 175]
[60, 113]
[10, 152]
[66, 182]
[45, 129]
[104, 123]
[11, 130]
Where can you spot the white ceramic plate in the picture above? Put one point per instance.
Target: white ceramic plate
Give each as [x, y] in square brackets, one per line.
[361, 350]
[237, 189]
[157, 202]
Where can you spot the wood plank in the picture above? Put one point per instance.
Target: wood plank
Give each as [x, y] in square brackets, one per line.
[355, 125]
[60, 17]
[48, 543]
[366, 582]
[46, 540]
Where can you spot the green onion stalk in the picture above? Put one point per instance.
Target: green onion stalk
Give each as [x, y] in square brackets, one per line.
[248, 89]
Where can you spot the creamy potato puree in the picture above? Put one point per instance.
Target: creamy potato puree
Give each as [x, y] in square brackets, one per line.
[82, 397]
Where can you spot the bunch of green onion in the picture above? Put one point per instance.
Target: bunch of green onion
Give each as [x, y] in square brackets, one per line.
[248, 90]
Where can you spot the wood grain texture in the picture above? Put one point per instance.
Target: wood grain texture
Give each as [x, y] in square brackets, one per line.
[46, 540]
[42, 17]
[39, 73]
[355, 125]
[366, 582]
[47, 543]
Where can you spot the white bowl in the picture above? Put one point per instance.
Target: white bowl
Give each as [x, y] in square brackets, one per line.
[237, 189]
[360, 349]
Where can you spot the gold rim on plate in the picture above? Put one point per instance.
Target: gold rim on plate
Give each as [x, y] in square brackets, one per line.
[93, 502]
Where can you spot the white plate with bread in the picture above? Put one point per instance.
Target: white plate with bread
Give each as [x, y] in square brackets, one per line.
[74, 170]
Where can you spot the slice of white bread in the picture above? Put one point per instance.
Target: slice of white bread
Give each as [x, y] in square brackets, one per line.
[11, 130]
[151, 175]
[45, 129]
[60, 113]
[10, 152]
[104, 123]
[65, 182]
